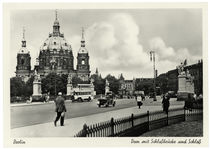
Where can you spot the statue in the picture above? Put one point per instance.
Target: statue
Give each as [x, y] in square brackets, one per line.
[91, 81]
[69, 79]
[37, 92]
[181, 68]
[36, 76]
[107, 83]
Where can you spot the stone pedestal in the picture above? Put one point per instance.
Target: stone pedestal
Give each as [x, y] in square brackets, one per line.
[106, 90]
[185, 86]
[69, 89]
[181, 83]
[189, 86]
[37, 92]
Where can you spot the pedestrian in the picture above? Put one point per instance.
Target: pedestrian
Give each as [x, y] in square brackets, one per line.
[166, 103]
[139, 99]
[60, 109]
[47, 98]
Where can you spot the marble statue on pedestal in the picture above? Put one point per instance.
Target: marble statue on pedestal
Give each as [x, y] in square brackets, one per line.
[106, 87]
[185, 82]
[37, 92]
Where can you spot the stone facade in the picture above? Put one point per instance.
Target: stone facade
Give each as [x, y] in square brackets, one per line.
[56, 56]
[23, 68]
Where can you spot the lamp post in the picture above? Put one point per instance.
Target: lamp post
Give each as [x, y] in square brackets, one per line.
[152, 58]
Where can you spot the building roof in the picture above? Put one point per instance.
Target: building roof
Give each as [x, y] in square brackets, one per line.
[56, 40]
[82, 48]
[23, 49]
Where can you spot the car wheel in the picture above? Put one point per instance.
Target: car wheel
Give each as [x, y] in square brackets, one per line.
[99, 106]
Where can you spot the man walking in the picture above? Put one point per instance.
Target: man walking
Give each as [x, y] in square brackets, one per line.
[166, 102]
[60, 109]
[139, 99]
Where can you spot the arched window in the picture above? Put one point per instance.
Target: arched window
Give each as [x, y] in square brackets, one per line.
[83, 62]
[54, 50]
[22, 61]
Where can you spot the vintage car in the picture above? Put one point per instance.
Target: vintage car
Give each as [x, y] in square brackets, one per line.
[106, 101]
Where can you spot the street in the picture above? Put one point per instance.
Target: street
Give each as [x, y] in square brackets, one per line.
[37, 114]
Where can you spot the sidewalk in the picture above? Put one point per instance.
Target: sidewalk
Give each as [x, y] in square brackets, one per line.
[74, 125]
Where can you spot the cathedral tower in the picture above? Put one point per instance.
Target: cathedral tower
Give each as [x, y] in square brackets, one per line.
[23, 68]
[83, 67]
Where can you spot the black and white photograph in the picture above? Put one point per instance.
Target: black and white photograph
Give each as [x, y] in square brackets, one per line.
[107, 71]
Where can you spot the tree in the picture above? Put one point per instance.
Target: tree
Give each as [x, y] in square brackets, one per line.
[76, 80]
[29, 87]
[114, 83]
[162, 82]
[146, 86]
[99, 84]
[53, 84]
[17, 86]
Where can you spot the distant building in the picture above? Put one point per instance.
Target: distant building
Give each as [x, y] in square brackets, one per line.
[127, 87]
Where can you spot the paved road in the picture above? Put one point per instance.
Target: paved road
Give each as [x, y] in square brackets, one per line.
[36, 114]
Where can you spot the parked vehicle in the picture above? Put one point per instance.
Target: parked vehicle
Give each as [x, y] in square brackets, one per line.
[106, 101]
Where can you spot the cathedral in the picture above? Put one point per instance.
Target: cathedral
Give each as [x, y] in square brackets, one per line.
[55, 56]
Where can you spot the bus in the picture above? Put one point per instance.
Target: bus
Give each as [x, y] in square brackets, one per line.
[83, 92]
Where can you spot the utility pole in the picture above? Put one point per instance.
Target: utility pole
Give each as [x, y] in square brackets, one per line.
[152, 58]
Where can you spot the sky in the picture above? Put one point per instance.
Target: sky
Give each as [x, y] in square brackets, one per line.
[118, 40]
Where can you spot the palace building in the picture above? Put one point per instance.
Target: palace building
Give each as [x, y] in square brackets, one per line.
[55, 56]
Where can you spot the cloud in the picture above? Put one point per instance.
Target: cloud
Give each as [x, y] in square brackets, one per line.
[158, 45]
[114, 46]
[168, 57]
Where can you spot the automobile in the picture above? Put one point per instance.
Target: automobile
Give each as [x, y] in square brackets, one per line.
[172, 94]
[106, 101]
[82, 96]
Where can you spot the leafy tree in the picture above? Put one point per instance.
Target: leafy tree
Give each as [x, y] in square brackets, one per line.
[76, 80]
[146, 86]
[29, 87]
[162, 82]
[17, 86]
[53, 84]
[99, 84]
[113, 83]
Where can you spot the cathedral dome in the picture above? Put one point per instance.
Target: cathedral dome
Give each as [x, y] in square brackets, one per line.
[56, 42]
